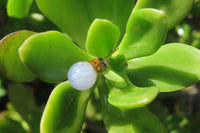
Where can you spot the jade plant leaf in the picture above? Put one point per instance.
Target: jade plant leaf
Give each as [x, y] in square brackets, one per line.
[123, 93]
[75, 16]
[114, 79]
[145, 33]
[69, 15]
[18, 8]
[65, 110]
[111, 10]
[176, 10]
[132, 97]
[118, 120]
[138, 120]
[173, 67]
[49, 55]
[102, 38]
[11, 65]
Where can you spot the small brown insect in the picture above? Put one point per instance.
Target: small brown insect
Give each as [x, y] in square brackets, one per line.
[100, 64]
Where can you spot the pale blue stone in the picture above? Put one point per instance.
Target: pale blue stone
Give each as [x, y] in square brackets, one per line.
[82, 75]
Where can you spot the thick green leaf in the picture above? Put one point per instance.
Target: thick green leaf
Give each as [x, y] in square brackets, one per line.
[18, 8]
[102, 38]
[49, 55]
[75, 16]
[176, 10]
[117, 11]
[11, 66]
[173, 67]
[132, 97]
[134, 121]
[65, 110]
[114, 79]
[127, 121]
[145, 33]
[122, 92]
[69, 15]
[22, 99]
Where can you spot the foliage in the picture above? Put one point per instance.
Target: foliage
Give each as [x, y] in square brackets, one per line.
[128, 34]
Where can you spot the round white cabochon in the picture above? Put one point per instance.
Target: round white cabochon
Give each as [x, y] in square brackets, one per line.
[82, 75]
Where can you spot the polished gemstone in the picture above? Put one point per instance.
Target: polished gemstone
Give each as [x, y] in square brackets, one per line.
[82, 75]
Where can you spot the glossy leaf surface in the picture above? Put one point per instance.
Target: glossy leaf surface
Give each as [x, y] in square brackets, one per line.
[18, 8]
[125, 95]
[75, 16]
[114, 79]
[65, 110]
[132, 97]
[176, 10]
[111, 10]
[173, 67]
[49, 55]
[69, 15]
[145, 33]
[102, 38]
[11, 65]
[138, 120]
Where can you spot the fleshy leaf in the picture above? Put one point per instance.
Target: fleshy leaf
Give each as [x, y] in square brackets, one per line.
[75, 16]
[127, 95]
[132, 97]
[138, 120]
[69, 15]
[145, 33]
[49, 55]
[11, 65]
[111, 10]
[114, 79]
[173, 67]
[65, 110]
[18, 8]
[176, 10]
[102, 38]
